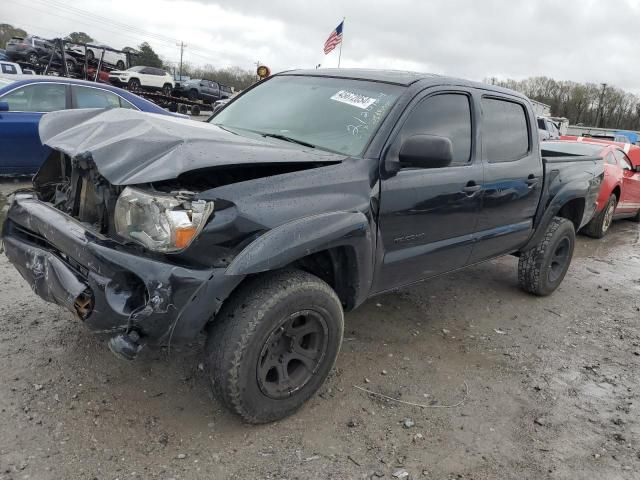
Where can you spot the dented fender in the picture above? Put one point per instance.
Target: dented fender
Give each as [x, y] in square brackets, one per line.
[304, 236]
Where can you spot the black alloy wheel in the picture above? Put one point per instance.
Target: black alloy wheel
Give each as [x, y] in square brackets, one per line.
[292, 354]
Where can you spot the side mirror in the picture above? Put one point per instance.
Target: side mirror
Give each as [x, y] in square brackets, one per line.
[426, 151]
[4, 106]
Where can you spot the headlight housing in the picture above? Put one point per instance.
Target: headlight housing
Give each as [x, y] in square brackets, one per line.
[160, 222]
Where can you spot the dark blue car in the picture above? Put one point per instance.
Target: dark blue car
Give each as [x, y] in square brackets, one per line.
[25, 98]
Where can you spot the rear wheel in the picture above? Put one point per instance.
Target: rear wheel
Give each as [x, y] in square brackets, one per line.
[273, 344]
[32, 58]
[195, 110]
[166, 89]
[599, 225]
[193, 95]
[542, 268]
[90, 55]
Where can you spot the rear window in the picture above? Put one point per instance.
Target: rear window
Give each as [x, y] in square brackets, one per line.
[505, 136]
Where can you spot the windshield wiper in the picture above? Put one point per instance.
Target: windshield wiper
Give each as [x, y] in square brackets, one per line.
[288, 139]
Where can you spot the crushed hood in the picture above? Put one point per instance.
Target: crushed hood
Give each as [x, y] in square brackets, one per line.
[130, 147]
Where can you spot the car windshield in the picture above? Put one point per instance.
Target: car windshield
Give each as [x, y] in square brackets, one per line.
[339, 115]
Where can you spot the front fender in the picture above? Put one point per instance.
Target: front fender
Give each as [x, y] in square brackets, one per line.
[302, 237]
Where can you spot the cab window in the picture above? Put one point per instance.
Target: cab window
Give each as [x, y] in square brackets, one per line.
[446, 115]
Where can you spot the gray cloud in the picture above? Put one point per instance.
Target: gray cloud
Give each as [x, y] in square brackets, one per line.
[572, 40]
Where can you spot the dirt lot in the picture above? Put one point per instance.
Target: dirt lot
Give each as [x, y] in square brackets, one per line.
[548, 388]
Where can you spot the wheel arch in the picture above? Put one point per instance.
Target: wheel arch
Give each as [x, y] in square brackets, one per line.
[337, 247]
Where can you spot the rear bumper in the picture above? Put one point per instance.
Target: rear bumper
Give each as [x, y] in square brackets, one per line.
[65, 263]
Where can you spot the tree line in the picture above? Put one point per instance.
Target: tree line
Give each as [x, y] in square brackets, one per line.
[589, 104]
[144, 54]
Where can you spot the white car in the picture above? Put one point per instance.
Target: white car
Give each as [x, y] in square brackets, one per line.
[10, 68]
[117, 59]
[149, 78]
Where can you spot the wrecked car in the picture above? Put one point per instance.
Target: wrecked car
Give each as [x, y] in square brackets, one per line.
[309, 193]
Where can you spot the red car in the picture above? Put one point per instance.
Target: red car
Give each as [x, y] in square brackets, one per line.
[620, 191]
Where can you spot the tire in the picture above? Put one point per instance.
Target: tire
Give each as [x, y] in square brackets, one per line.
[542, 268]
[90, 55]
[133, 85]
[183, 109]
[71, 66]
[193, 95]
[32, 58]
[195, 110]
[248, 340]
[120, 65]
[599, 225]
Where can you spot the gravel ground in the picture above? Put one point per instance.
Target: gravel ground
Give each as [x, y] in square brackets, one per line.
[535, 388]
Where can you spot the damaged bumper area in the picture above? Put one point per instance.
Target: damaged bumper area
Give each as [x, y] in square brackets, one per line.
[110, 288]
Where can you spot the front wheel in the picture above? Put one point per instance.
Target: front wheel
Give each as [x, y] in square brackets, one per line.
[542, 268]
[600, 223]
[166, 89]
[273, 344]
[133, 85]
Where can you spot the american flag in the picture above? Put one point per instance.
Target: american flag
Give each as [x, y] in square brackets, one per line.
[334, 39]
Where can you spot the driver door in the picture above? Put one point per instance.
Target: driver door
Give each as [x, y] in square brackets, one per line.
[21, 151]
[630, 196]
[428, 216]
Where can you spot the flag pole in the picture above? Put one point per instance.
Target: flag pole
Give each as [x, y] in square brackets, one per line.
[341, 42]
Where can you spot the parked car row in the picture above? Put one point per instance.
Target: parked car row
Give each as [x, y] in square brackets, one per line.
[24, 99]
[35, 50]
[304, 196]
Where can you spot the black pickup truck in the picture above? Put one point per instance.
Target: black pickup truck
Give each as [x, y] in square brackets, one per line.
[301, 198]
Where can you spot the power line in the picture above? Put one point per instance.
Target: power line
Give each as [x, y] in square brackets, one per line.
[90, 16]
[108, 25]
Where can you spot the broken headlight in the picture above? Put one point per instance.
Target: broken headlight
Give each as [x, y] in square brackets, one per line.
[160, 222]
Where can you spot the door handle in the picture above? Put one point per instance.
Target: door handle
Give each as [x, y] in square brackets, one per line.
[471, 188]
[532, 181]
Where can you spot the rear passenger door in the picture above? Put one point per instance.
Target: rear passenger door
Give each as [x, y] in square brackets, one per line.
[427, 216]
[513, 176]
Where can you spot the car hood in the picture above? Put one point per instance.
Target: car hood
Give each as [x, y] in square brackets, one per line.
[130, 147]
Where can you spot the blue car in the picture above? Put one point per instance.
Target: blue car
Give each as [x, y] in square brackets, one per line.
[25, 98]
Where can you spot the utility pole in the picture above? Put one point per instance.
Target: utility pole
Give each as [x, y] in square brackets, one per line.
[182, 47]
[599, 112]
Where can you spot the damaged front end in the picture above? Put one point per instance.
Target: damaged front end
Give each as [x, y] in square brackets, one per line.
[123, 228]
[100, 251]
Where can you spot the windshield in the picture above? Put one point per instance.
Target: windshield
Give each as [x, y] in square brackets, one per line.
[338, 115]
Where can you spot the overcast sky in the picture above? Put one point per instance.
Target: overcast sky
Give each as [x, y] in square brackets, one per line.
[587, 40]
